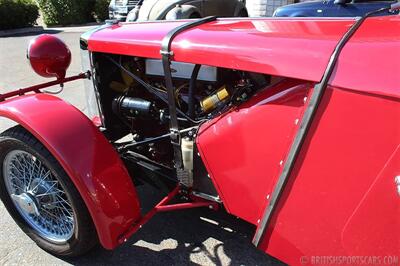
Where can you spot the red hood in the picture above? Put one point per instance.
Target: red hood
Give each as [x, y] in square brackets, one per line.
[298, 48]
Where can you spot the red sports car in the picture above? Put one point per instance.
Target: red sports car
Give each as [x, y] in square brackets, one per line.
[290, 124]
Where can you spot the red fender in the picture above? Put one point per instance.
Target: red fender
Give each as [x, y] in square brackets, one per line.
[87, 157]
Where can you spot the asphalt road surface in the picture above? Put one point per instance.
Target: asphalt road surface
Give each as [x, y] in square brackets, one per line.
[194, 237]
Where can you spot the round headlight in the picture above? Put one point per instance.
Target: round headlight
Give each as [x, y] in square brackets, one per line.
[49, 56]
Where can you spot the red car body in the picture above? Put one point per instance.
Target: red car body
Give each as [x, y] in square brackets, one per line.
[341, 198]
[335, 202]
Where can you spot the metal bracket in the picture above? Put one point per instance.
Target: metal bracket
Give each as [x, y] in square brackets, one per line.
[167, 55]
[164, 206]
[170, 53]
[39, 87]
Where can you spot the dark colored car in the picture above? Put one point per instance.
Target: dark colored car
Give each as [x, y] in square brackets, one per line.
[132, 10]
[332, 8]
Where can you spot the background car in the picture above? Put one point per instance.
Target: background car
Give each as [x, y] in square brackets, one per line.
[176, 9]
[332, 8]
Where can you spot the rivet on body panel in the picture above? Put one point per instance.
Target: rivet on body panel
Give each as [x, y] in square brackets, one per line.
[397, 181]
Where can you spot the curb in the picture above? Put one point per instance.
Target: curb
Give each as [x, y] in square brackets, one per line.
[81, 28]
[75, 27]
[35, 29]
[5, 33]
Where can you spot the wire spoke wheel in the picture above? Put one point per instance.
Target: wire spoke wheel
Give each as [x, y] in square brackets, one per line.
[38, 196]
[41, 197]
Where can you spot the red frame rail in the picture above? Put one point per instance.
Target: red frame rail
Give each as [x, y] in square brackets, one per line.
[163, 206]
[37, 88]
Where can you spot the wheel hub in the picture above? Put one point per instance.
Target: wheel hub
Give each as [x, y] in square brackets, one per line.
[26, 202]
[43, 193]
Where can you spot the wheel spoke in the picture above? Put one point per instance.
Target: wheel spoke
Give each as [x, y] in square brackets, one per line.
[50, 214]
[65, 211]
[28, 178]
[63, 201]
[17, 179]
[19, 170]
[41, 180]
[13, 166]
[47, 193]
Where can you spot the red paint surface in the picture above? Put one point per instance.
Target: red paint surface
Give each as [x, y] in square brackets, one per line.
[49, 56]
[243, 149]
[297, 48]
[87, 157]
[370, 62]
[377, 214]
[341, 198]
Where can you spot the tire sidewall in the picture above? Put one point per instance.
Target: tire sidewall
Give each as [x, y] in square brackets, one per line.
[8, 144]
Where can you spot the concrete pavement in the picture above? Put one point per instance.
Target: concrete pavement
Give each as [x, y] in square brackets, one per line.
[199, 237]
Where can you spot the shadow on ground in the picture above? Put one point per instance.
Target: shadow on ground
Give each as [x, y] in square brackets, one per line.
[191, 237]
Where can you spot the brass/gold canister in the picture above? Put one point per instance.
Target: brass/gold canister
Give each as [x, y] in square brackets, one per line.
[211, 102]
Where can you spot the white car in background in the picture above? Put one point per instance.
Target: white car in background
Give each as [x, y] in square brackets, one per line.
[133, 10]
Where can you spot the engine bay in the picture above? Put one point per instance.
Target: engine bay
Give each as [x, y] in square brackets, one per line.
[134, 102]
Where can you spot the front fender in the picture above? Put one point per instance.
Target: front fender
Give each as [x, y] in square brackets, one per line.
[87, 157]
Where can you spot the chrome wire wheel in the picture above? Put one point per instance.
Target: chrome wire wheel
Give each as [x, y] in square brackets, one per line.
[38, 196]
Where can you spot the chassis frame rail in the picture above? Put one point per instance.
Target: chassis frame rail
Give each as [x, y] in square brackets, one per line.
[38, 87]
[164, 206]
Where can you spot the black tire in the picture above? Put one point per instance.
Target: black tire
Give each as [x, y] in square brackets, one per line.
[243, 13]
[195, 15]
[84, 236]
